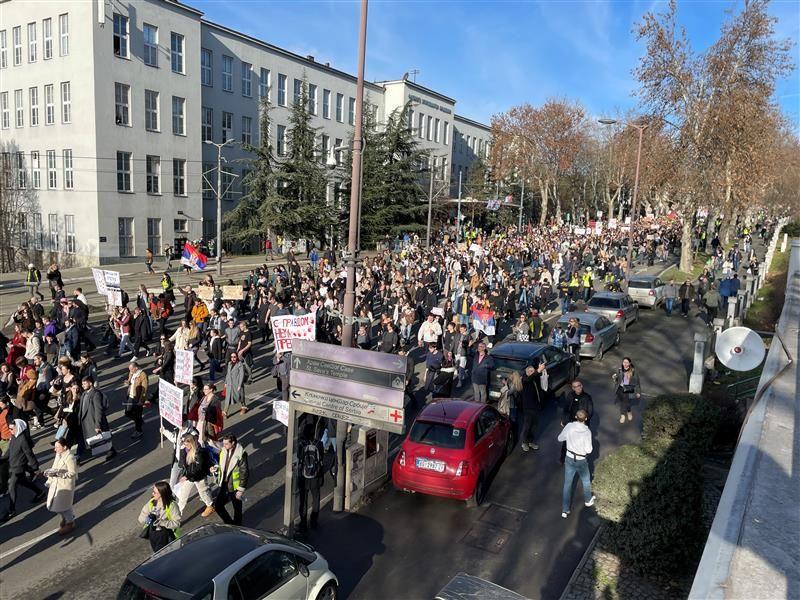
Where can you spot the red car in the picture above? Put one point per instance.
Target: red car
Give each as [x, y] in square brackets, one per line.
[452, 449]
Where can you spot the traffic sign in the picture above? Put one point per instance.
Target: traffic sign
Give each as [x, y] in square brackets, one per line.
[340, 370]
[358, 408]
[349, 418]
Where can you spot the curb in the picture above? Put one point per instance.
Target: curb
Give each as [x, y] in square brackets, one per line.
[584, 558]
[660, 273]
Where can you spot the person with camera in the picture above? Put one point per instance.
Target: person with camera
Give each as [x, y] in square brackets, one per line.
[627, 387]
[160, 517]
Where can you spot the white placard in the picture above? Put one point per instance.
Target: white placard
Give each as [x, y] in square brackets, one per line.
[99, 281]
[114, 297]
[112, 279]
[170, 402]
[280, 411]
[285, 328]
[184, 366]
[612, 223]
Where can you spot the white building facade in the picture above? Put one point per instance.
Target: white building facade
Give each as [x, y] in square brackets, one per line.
[105, 108]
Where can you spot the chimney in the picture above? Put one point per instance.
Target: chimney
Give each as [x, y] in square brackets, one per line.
[327, 64]
[309, 58]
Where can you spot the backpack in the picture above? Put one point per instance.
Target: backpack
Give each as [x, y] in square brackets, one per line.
[310, 461]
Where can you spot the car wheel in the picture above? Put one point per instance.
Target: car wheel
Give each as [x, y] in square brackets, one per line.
[478, 494]
[624, 326]
[600, 352]
[329, 592]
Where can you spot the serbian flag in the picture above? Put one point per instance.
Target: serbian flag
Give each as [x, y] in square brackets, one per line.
[483, 320]
[193, 257]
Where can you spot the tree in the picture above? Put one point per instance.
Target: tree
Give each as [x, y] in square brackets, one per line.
[18, 201]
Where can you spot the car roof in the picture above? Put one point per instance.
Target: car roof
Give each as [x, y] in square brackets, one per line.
[644, 278]
[615, 295]
[451, 411]
[583, 317]
[518, 350]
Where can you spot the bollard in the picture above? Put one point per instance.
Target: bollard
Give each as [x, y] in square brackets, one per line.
[750, 286]
[744, 304]
[784, 242]
[719, 325]
[698, 364]
[730, 320]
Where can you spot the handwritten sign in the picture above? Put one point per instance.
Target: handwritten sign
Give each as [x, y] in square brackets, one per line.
[280, 411]
[170, 402]
[114, 297]
[99, 281]
[112, 279]
[184, 366]
[232, 292]
[285, 328]
[206, 293]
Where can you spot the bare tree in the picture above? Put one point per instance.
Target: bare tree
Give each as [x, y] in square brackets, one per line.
[18, 201]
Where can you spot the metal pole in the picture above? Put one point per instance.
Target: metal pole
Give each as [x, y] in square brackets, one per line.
[633, 203]
[288, 496]
[219, 209]
[430, 206]
[521, 201]
[352, 246]
[458, 218]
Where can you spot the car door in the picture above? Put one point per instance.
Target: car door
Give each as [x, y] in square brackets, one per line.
[557, 363]
[273, 575]
[630, 309]
[484, 448]
[607, 331]
[659, 287]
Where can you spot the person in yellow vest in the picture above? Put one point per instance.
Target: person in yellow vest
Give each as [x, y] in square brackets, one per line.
[586, 284]
[161, 517]
[574, 287]
[232, 474]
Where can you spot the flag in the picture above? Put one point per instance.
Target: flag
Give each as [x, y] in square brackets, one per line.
[193, 257]
[483, 320]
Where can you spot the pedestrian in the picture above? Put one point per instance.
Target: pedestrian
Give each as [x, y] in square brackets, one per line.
[238, 373]
[232, 474]
[670, 294]
[573, 335]
[627, 387]
[216, 354]
[433, 366]
[685, 293]
[33, 278]
[92, 414]
[21, 460]
[148, 261]
[54, 280]
[160, 517]
[510, 394]
[135, 397]
[310, 474]
[61, 478]
[531, 404]
[578, 439]
[195, 466]
[577, 398]
[281, 367]
[712, 300]
[482, 365]
[141, 331]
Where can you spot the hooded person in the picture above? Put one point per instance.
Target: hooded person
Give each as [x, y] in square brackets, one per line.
[21, 459]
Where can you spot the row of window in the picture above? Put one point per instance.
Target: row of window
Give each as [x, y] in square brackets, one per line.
[153, 181]
[31, 233]
[476, 145]
[150, 40]
[429, 128]
[34, 117]
[126, 234]
[152, 109]
[18, 52]
[31, 174]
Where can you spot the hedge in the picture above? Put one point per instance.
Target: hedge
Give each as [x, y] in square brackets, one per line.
[688, 417]
[618, 478]
[792, 229]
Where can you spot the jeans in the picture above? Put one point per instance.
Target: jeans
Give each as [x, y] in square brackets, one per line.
[33, 290]
[479, 393]
[668, 302]
[307, 487]
[124, 342]
[571, 467]
[564, 304]
[684, 306]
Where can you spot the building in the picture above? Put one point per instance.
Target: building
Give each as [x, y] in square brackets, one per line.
[108, 106]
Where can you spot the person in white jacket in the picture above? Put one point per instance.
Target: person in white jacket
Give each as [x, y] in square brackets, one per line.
[578, 437]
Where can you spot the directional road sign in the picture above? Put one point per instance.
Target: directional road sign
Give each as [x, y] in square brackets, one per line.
[351, 407]
[349, 418]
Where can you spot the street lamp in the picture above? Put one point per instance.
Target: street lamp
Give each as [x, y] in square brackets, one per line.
[220, 158]
[641, 128]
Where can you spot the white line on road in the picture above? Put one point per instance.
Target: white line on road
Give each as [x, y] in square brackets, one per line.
[26, 544]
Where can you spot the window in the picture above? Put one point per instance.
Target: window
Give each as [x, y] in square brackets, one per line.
[69, 228]
[47, 36]
[23, 230]
[22, 174]
[436, 131]
[207, 124]
[36, 173]
[66, 102]
[69, 182]
[5, 112]
[208, 188]
[3, 49]
[153, 174]
[124, 172]
[444, 168]
[31, 42]
[338, 153]
[49, 105]
[227, 184]
[125, 230]
[16, 34]
[178, 115]
[63, 34]
[38, 232]
[55, 242]
[154, 235]
[247, 130]
[227, 126]
[179, 176]
[176, 51]
[227, 73]
[312, 99]
[428, 128]
[267, 572]
[122, 101]
[52, 177]
[33, 94]
[150, 110]
[150, 44]
[206, 67]
[326, 147]
[326, 104]
[410, 117]
[245, 182]
[351, 111]
[298, 90]
[421, 125]
[247, 80]
[281, 89]
[281, 141]
[180, 225]
[446, 133]
[19, 109]
[263, 84]
[120, 35]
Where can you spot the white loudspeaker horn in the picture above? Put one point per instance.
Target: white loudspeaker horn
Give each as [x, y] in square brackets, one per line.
[740, 349]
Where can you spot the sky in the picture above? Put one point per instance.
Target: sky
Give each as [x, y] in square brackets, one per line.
[491, 55]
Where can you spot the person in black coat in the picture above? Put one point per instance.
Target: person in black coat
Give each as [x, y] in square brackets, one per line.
[574, 400]
[307, 480]
[482, 365]
[21, 459]
[72, 340]
[390, 341]
[166, 362]
[141, 331]
[531, 404]
[433, 365]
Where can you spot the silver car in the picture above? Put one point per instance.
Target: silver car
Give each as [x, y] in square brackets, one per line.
[223, 562]
[616, 307]
[598, 334]
[646, 290]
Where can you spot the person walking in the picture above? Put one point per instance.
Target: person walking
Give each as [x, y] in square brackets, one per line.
[21, 460]
[148, 261]
[578, 439]
[685, 293]
[161, 517]
[531, 404]
[238, 373]
[142, 331]
[54, 280]
[482, 365]
[232, 475]
[712, 301]
[670, 294]
[195, 466]
[627, 387]
[136, 397]
[433, 366]
[61, 478]
[577, 398]
[92, 413]
[33, 279]
[309, 480]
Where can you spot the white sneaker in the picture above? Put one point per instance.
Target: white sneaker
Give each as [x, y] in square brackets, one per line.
[591, 501]
[564, 515]
[525, 447]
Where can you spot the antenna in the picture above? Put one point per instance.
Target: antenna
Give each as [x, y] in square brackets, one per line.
[740, 349]
[414, 73]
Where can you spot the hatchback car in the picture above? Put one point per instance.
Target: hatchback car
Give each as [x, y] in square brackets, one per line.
[223, 562]
[598, 334]
[515, 356]
[616, 307]
[646, 290]
[452, 449]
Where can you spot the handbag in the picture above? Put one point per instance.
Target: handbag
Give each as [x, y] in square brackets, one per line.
[544, 381]
[627, 389]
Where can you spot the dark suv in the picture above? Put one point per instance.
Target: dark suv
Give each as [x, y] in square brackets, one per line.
[516, 356]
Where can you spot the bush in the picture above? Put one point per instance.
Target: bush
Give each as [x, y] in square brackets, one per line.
[792, 229]
[687, 417]
[618, 478]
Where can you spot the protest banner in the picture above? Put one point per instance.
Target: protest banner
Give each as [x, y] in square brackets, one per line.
[112, 279]
[99, 281]
[280, 411]
[114, 297]
[205, 293]
[170, 405]
[285, 328]
[232, 292]
[184, 366]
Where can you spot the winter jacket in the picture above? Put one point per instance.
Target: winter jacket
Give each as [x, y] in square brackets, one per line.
[199, 468]
[61, 488]
[481, 369]
[575, 402]
[91, 414]
[233, 473]
[20, 453]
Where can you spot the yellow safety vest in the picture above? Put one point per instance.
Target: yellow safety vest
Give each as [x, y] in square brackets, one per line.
[235, 473]
[169, 516]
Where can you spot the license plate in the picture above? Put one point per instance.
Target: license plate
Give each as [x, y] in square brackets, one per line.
[430, 465]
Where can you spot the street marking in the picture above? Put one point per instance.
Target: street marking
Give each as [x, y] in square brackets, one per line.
[126, 497]
[28, 543]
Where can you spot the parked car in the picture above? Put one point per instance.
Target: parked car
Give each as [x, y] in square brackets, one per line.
[515, 356]
[452, 449]
[223, 562]
[646, 290]
[616, 307]
[598, 334]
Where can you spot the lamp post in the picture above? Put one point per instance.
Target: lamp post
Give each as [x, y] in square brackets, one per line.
[219, 148]
[641, 128]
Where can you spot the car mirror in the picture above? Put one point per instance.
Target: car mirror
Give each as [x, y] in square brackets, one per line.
[303, 568]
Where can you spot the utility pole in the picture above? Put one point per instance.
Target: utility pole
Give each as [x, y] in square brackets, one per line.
[629, 257]
[458, 218]
[351, 257]
[521, 201]
[219, 148]
[430, 204]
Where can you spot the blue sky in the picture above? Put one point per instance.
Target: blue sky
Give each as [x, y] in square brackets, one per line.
[490, 55]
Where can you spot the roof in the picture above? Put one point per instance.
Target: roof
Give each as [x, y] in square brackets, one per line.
[616, 295]
[518, 350]
[182, 6]
[420, 88]
[451, 411]
[643, 277]
[583, 317]
[487, 128]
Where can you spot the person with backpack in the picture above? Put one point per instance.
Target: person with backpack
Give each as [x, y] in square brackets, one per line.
[92, 413]
[310, 452]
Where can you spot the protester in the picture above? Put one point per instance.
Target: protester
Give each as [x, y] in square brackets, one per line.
[21, 460]
[195, 466]
[578, 440]
[136, 397]
[160, 517]
[482, 365]
[61, 479]
[626, 380]
[232, 475]
[574, 400]
[309, 478]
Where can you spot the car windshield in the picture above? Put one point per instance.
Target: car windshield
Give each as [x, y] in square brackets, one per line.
[440, 435]
[646, 285]
[584, 327]
[604, 302]
[509, 364]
